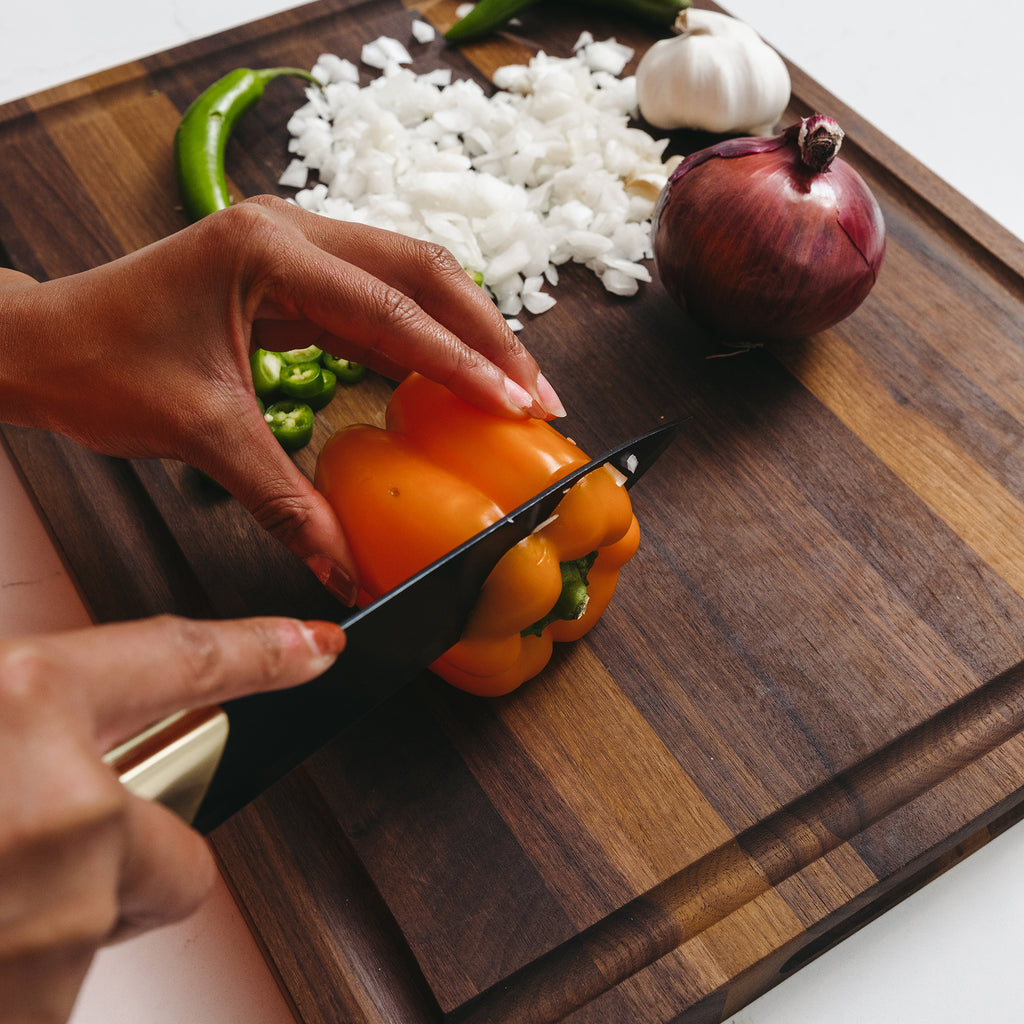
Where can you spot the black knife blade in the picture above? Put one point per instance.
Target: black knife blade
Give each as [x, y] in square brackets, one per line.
[388, 643]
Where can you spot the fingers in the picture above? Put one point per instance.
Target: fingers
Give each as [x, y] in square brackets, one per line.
[259, 472]
[59, 855]
[134, 673]
[89, 865]
[167, 870]
[402, 304]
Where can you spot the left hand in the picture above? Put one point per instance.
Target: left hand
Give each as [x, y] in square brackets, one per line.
[148, 356]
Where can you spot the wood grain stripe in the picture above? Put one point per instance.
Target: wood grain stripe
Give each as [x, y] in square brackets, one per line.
[959, 490]
[128, 172]
[736, 873]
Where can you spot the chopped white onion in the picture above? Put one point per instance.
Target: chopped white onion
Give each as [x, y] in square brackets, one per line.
[423, 31]
[384, 52]
[542, 172]
[294, 175]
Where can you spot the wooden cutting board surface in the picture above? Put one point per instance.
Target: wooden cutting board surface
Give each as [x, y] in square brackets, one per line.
[805, 699]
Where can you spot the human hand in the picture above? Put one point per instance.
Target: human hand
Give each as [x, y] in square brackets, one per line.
[148, 356]
[82, 861]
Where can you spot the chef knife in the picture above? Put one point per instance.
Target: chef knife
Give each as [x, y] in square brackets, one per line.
[388, 643]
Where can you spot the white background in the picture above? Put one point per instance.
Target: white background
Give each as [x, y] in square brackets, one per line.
[942, 79]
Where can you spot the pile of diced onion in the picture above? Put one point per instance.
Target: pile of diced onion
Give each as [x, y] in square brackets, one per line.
[544, 171]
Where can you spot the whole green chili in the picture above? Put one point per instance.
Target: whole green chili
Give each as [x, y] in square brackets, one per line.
[489, 15]
[203, 132]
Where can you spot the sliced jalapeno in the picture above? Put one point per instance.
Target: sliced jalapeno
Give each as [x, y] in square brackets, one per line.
[327, 391]
[309, 354]
[266, 371]
[302, 380]
[291, 422]
[345, 370]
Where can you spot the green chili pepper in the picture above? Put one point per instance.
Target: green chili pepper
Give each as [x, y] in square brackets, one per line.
[489, 15]
[309, 354]
[291, 422]
[204, 130]
[345, 370]
[266, 371]
[327, 391]
[302, 380]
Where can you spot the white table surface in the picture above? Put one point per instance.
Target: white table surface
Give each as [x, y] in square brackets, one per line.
[940, 78]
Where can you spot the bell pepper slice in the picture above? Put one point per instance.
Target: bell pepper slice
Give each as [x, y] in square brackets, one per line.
[442, 470]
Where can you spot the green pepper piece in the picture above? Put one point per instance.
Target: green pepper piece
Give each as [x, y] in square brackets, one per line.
[202, 135]
[309, 354]
[302, 380]
[291, 422]
[327, 392]
[345, 370]
[489, 15]
[485, 17]
[266, 371]
[572, 601]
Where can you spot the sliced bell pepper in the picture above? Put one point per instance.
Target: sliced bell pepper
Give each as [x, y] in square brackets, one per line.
[441, 471]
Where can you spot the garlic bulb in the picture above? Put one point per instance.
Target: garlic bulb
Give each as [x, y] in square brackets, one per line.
[717, 74]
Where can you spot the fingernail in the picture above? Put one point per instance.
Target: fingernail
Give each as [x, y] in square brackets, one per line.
[337, 581]
[548, 398]
[518, 395]
[326, 639]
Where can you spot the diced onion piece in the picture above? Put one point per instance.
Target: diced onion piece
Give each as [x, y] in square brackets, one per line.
[294, 175]
[423, 31]
[546, 171]
[383, 52]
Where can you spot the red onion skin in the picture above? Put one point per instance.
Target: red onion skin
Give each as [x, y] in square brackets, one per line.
[758, 247]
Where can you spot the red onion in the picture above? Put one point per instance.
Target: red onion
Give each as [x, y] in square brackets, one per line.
[763, 239]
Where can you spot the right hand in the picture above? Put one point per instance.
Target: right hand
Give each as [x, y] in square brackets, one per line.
[83, 862]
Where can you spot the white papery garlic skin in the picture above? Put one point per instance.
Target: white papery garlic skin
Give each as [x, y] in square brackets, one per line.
[716, 74]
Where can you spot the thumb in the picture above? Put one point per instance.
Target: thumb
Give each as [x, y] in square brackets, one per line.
[167, 870]
[286, 504]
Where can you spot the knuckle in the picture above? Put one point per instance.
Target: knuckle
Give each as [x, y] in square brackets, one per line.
[197, 651]
[464, 360]
[438, 259]
[284, 517]
[205, 663]
[397, 309]
[27, 673]
[251, 226]
[267, 656]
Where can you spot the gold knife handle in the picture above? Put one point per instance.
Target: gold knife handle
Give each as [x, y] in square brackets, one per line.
[173, 761]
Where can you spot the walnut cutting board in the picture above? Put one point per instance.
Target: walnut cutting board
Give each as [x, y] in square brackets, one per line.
[805, 700]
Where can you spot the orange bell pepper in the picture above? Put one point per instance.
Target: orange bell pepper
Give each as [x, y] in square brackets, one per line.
[443, 470]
